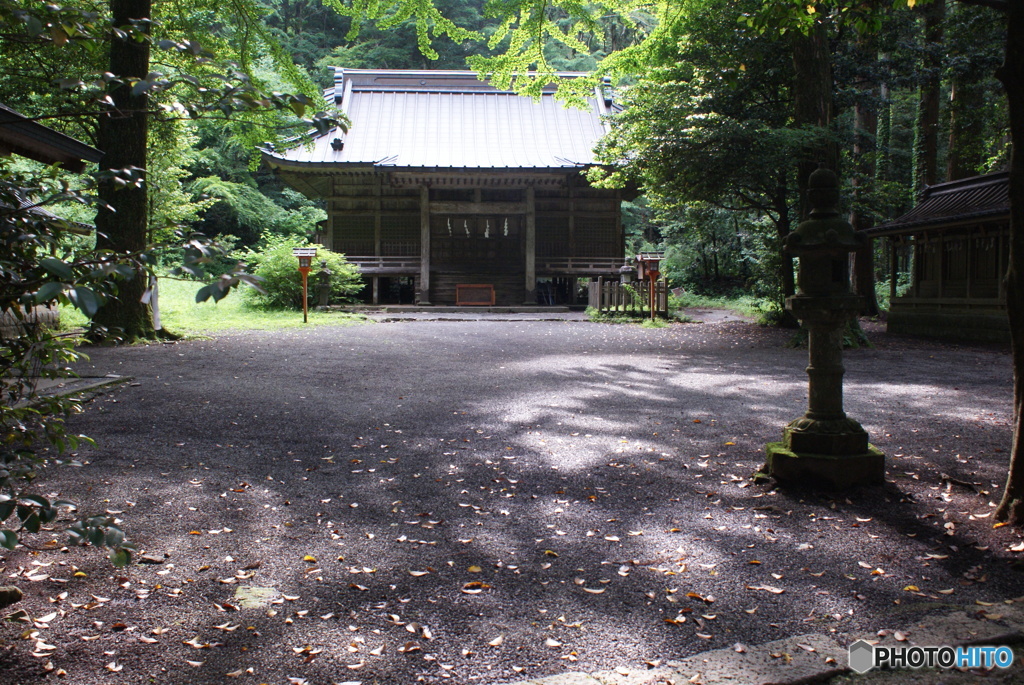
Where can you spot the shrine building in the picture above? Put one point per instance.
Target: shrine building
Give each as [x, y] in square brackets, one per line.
[446, 190]
[956, 242]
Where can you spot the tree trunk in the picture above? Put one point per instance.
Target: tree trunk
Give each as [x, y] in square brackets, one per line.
[812, 107]
[1011, 508]
[966, 129]
[812, 104]
[783, 224]
[883, 131]
[926, 134]
[865, 122]
[714, 255]
[122, 137]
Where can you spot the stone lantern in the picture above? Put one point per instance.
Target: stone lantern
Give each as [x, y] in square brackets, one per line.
[824, 448]
[323, 287]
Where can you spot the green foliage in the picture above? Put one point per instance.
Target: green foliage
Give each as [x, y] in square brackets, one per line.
[171, 203]
[615, 317]
[397, 46]
[241, 210]
[426, 18]
[882, 290]
[281, 283]
[38, 269]
[761, 309]
[44, 263]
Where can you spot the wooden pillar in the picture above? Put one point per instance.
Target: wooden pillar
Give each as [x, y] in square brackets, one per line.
[572, 221]
[376, 290]
[424, 289]
[376, 218]
[942, 261]
[893, 269]
[917, 252]
[329, 228]
[530, 249]
[1001, 264]
[969, 257]
[620, 236]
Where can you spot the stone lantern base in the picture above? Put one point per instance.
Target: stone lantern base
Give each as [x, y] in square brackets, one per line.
[829, 453]
[825, 471]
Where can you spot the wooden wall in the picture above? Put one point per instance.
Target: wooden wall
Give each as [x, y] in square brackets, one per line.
[477, 234]
[956, 290]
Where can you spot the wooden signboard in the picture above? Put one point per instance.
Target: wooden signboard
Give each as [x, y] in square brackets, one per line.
[474, 294]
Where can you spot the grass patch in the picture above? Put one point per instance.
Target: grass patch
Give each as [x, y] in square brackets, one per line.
[761, 309]
[619, 317]
[181, 314]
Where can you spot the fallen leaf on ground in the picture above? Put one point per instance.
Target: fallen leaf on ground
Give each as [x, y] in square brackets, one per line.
[767, 588]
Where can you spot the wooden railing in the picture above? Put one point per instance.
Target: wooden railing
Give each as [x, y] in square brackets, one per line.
[385, 265]
[573, 266]
[579, 266]
[615, 297]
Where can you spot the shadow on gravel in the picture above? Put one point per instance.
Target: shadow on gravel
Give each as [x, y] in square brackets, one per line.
[483, 502]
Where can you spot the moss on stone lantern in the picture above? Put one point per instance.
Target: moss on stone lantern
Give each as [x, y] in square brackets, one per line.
[824, 448]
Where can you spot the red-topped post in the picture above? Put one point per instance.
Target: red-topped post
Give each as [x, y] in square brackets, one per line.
[305, 255]
[648, 264]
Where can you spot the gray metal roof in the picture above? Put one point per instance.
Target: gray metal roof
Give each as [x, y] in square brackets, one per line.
[449, 119]
[956, 202]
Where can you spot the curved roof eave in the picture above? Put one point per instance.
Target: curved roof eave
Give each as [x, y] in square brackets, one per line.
[277, 162]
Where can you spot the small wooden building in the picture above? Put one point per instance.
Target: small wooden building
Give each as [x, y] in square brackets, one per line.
[957, 241]
[446, 190]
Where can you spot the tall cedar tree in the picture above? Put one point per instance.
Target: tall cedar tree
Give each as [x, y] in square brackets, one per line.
[122, 225]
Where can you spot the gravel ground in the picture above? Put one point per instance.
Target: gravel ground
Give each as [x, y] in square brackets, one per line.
[493, 501]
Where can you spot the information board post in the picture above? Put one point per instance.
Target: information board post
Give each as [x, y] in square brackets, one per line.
[647, 269]
[305, 256]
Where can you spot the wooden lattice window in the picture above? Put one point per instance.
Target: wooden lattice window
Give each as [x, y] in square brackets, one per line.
[353, 235]
[553, 237]
[985, 258]
[956, 258]
[597, 236]
[400, 235]
[931, 260]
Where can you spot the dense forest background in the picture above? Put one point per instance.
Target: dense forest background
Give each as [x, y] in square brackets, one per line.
[709, 132]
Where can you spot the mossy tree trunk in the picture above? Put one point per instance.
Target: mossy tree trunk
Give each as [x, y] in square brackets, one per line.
[812, 108]
[812, 103]
[926, 133]
[123, 137]
[865, 123]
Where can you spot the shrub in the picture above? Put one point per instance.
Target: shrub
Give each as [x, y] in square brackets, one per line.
[282, 284]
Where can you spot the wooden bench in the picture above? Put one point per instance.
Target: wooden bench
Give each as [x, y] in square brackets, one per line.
[474, 294]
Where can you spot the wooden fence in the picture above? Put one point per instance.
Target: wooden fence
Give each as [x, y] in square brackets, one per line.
[611, 296]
